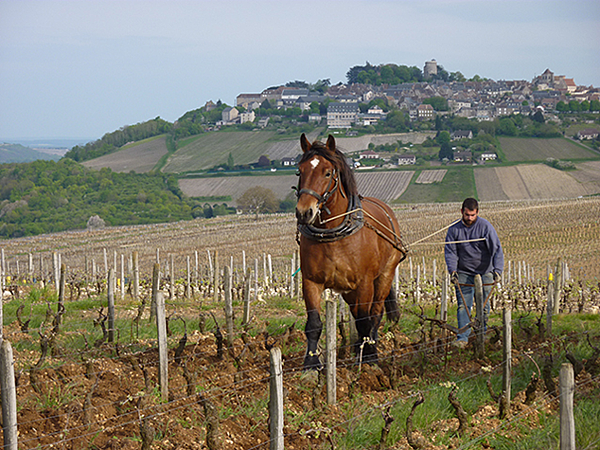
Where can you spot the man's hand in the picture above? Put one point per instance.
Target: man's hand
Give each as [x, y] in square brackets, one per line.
[497, 277]
[454, 277]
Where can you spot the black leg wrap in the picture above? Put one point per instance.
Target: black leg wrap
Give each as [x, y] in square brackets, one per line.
[313, 330]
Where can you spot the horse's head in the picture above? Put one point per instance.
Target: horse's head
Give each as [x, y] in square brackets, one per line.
[323, 172]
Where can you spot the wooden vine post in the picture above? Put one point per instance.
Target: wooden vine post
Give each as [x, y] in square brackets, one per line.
[228, 305]
[136, 276]
[330, 346]
[188, 279]
[111, 305]
[567, 419]
[216, 277]
[172, 278]
[558, 286]
[276, 401]
[9, 396]
[155, 283]
[163, 357]
[122, 276]
[507, 366]
[61, 292]
[550, 306]
[247, 282]
[444, 307]
[480, 318]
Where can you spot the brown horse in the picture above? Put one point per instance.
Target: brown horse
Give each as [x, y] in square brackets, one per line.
[348, 243]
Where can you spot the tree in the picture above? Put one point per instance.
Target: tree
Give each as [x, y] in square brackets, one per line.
[585, 105]
[258, 199]
[230, 164]
[574, 106]
[438, 103]
[595, 105]
[562, 106]
[264, 161]
[445, 151]
[507, 127]
[538, 117]
[443, 137]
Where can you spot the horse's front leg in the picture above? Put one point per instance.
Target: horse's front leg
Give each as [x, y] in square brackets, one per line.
[314, 326]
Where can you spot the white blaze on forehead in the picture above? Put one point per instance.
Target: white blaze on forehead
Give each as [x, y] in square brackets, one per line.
[315, 162]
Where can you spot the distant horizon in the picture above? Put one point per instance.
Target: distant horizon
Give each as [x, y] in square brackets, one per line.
[84, 68]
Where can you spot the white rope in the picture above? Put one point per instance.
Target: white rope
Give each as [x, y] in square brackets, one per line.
[450, 242]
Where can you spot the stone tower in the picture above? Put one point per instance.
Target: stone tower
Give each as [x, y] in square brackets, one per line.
[430, 68]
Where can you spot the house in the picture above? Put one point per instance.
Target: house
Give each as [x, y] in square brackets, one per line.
[246, 99]
[461, 156]
[247, 116]
[368, 154]
[405, 160]
[289, 96]
[487, 156]
[588, 133]
[314, 118]
[229, 115]
[263, 122]
[425, 111]
[461, 134]
[375, 110]
[287, 162]
[304, 102]
[342, 115]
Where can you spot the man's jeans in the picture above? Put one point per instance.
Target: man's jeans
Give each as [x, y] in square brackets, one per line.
[468, 293]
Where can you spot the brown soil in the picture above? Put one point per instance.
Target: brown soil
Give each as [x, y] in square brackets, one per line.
[106, 397]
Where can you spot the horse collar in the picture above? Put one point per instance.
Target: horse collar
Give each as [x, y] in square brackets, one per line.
[353, 221]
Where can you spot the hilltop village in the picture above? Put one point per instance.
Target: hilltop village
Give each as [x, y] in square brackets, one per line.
[481, 99]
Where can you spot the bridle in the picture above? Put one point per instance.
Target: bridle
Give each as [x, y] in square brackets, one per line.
[321, 199]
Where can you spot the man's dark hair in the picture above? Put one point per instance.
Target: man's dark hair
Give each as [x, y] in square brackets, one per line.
[471, 204]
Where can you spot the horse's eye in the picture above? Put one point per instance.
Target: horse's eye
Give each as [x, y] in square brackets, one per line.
[327, 174]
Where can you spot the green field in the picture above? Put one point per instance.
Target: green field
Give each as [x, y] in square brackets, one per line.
[212, 149]
[538, 149]
[458, 184]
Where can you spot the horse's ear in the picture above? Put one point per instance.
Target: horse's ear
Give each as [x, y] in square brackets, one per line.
[304, 143]
[331, 144]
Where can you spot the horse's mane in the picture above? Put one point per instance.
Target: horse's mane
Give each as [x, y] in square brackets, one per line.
[338, 159]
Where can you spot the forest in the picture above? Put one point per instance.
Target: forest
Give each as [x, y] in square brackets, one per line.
[47, 196]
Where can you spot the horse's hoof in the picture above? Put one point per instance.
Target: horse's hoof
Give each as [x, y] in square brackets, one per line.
[312, 363]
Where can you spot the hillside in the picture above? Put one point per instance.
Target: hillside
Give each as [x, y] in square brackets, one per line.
[46, 196]
[539, 149]
[140, 157]
[17, 153]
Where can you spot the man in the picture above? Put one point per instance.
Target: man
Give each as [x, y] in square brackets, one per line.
[480, 254]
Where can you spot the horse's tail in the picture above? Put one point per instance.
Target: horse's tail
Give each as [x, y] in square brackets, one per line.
[391, 307]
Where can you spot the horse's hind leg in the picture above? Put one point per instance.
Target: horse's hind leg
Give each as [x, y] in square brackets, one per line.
[366, 345]
[366, 319]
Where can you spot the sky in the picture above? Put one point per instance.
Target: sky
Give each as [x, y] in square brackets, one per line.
[82, 68]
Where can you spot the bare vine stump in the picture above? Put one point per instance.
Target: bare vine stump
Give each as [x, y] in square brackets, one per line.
[460, 412]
